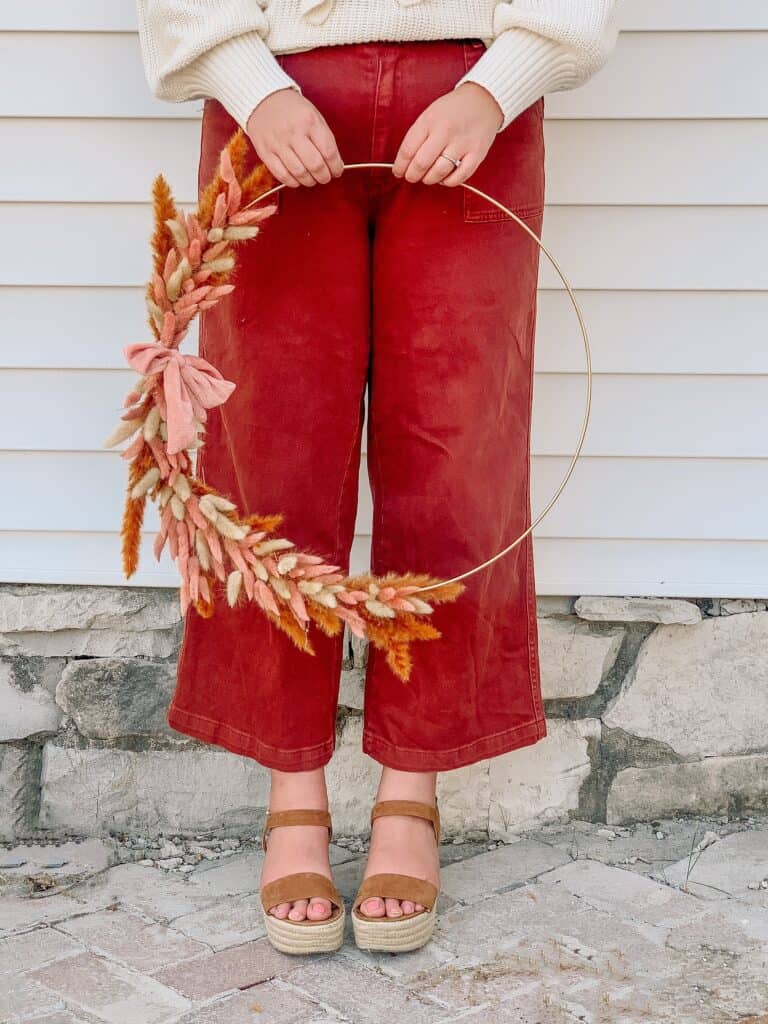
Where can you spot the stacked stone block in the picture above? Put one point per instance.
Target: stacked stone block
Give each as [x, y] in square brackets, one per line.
[655, 707]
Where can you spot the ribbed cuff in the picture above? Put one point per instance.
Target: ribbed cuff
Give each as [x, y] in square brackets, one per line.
[239, 73]
[519, 67]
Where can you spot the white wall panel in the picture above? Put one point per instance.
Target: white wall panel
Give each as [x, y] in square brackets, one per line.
[120, 15]
[721, 248]
[705, 15]
[687, 163]
[673, 568]
[656, 75]
[657, 208]
[605, 497]
[73, 327]
[632, 415]
[629, 331]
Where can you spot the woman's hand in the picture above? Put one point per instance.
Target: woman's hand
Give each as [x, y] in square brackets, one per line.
[463, 122]
[293, 139]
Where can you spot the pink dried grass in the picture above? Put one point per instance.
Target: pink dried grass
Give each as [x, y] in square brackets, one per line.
[216, 548]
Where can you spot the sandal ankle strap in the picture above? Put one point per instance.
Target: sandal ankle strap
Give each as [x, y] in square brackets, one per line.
[414, 808]
[299, 816]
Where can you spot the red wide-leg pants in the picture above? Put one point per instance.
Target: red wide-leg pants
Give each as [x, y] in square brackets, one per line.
[425, 294]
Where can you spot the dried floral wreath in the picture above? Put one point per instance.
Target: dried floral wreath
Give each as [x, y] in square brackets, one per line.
[213, 544]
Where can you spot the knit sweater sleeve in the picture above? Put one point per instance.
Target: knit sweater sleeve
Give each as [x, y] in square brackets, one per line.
[542, 46]
[194, 48]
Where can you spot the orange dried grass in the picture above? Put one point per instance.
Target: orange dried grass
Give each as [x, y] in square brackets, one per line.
[385, 609]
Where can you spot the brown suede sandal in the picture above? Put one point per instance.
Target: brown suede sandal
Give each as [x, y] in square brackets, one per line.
[411, 931]
[302, 936]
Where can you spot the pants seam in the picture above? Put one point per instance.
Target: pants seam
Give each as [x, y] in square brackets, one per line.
[250, 746]
[375, 107]
[469, 753]
[530, 586]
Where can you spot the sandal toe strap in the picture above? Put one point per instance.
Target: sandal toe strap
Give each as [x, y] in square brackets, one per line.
[302, 885]
[397, 887]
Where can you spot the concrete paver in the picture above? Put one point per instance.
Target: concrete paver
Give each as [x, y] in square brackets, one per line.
[110, 991]
[271, 1003]
[545, 930]
[235, 968]
[470, 880]
[32, 949]
[727, 868]
[36, 865]
[20, 914]
[360, 995]
[229, 922]
[24, 998]
[131, 940]
[149, 891]
[632, 897]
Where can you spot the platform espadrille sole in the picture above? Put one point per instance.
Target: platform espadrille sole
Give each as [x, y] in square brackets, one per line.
[305, 936]
[393, 935]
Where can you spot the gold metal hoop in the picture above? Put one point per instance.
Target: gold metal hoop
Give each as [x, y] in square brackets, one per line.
[584, 334]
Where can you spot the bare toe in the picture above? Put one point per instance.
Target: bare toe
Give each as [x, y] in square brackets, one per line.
[299, 910]
[374, 907]
[408, 906]
[281, 910]
[418, 906]
[318, 909]
[393, 908]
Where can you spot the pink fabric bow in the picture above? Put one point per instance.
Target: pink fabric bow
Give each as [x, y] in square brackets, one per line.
[190, 384]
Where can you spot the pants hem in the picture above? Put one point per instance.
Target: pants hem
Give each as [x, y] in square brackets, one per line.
[238, 742]
[409, 760]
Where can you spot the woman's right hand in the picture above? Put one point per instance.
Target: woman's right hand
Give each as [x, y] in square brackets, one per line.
[293, 139]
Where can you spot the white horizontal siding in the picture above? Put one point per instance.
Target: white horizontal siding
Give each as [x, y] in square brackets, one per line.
[703, 15]
[658, 499]
[676, 567]
[646, 15]
[81, 327]
[651, 75]
[630, 332]
[671, 410]
[620, 162]
[674, 74]
[656, 209]
[598, 247]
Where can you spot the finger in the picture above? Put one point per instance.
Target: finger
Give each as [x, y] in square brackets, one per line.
[424, 158]
[324, 139]
[295, 165]
[468, 166]
[279, 170]
[313, 160]
[412, 140]
[442, 166]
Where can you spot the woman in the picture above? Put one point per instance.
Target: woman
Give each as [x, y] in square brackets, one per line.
[427, 296]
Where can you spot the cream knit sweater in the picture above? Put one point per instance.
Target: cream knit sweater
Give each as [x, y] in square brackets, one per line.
[225, 48]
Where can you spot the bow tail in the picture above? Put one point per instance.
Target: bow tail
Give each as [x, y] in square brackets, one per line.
[180, 412]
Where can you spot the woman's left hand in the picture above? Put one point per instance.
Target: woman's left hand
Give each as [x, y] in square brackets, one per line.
[463, 123]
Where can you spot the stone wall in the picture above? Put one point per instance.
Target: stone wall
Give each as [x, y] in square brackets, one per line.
[655, 707]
